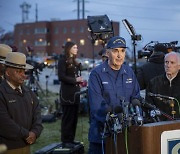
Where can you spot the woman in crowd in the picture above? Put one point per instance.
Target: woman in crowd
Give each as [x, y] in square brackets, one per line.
[70, 78]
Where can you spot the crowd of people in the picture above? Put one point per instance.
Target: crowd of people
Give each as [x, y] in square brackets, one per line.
[111, 84]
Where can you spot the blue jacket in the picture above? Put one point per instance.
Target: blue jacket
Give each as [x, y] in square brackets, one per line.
[105, 90]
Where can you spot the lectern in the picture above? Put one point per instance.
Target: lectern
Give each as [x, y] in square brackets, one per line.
[145, 139]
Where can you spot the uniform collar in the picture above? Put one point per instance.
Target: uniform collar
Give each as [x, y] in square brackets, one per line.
[10, 89]
[107, 68]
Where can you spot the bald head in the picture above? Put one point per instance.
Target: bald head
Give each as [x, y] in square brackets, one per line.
[172, 64]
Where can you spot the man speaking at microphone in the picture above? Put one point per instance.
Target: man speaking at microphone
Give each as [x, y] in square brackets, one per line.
[109, 84]
[164, 91]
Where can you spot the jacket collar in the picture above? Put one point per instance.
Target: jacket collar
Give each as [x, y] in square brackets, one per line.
[107, 68]
[10, 90]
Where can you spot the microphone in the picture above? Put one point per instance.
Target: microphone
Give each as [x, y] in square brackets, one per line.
[147, 105]
[160, 96]
[118, 109]
[154, 113]
[137, 104]
[115, 119]
[81, 92]
[153, 107]
[132, 109]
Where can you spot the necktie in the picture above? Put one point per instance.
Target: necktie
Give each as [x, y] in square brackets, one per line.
[18, 91]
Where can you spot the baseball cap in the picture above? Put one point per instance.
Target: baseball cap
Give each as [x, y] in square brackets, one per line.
[116, 42]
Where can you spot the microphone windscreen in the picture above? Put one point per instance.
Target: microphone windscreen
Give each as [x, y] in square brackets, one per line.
[108, 109]
[150, 94]
[136, 102]
[118, 109]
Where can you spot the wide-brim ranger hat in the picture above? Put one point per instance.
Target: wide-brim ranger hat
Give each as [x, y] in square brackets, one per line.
[17, 60]
[4, 50]
[116, 42]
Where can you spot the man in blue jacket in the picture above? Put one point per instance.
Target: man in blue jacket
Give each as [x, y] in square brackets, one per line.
[110, 84]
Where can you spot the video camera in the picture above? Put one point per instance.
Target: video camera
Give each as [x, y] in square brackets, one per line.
[148, 49]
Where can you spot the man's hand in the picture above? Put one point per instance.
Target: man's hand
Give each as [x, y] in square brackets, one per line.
[31, 138]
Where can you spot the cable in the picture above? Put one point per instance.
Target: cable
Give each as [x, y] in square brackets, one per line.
[126, 141]
[178, 104]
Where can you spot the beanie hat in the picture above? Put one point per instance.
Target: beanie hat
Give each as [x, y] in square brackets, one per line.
[160, 48]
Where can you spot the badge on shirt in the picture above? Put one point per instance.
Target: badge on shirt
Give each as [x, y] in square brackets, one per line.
[129, 80]
[12, 101]
[104, 82]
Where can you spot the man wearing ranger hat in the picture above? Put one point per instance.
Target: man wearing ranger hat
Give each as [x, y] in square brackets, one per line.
[20, 115]
[4, 50]
[110, 85]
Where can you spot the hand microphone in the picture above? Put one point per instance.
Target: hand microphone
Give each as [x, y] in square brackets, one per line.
[81, 92]
[137, 104]
[160, 96]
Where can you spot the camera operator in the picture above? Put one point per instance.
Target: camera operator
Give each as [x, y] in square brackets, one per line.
[166, 85]
[154, 66]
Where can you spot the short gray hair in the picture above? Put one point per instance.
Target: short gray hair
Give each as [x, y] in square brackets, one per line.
[177, 54]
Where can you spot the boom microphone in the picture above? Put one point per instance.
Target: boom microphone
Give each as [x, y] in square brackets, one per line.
[160, 96]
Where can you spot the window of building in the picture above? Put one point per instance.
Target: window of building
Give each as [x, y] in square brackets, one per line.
[28, 32]
[40, 42]
[56, 30]
[82, 42]
[20, 44]
[40, 31]
[72, 30]
[56, 43]
[64, 30]
[82, 29]
[21, 32]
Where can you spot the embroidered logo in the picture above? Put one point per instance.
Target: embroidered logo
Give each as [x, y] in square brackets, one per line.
[12, 101]
[129, 80]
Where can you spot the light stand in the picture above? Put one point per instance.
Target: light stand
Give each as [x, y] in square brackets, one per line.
[134, 38]
[100, 28]
[47, 76]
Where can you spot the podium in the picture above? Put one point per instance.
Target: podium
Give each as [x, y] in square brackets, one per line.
[145, 139]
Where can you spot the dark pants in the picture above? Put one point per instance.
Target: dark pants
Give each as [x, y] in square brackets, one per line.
[96, 148]
[69, 122]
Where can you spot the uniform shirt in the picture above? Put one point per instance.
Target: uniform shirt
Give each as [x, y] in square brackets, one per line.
[105, 89]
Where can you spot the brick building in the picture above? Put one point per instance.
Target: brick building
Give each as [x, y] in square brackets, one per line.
[48, 37]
